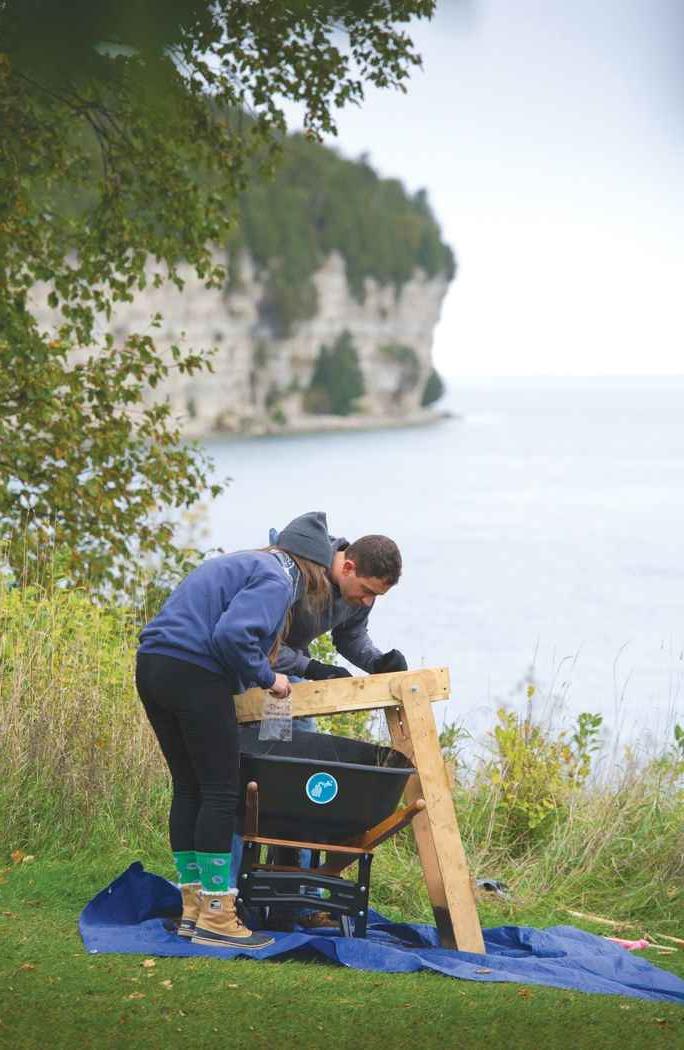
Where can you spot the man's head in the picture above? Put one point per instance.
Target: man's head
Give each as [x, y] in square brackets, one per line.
[366, 569]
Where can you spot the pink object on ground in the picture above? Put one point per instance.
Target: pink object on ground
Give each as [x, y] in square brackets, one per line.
[631, 946]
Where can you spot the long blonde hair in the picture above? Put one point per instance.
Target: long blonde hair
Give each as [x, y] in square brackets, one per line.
[316, 592]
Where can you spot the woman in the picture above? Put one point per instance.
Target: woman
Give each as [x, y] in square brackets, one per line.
[214, 637]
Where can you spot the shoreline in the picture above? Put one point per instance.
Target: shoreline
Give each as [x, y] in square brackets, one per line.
[327, 424]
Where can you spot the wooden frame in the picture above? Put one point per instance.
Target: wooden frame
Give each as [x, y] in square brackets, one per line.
[407, 699]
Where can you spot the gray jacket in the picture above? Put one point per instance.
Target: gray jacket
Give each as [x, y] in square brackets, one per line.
[348, 623]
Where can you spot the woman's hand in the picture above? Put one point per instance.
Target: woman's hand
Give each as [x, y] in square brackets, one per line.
[281, 687]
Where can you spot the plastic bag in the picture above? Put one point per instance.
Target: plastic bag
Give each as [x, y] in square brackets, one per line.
[276, 718]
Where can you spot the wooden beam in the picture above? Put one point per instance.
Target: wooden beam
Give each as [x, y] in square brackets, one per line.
[376, 835]
[413, 731]
[379, 833]
[347, 694]
[421, 830]
[327, 847]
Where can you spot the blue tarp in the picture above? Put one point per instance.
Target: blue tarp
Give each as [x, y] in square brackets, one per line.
[133, 915]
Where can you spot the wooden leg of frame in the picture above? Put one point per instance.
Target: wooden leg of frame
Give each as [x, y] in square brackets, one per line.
[413, 731]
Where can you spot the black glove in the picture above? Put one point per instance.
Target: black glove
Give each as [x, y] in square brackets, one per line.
[319, 672]
[391, 661]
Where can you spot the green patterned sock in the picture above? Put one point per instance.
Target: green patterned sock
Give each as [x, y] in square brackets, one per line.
[187, 868]
[215, 872]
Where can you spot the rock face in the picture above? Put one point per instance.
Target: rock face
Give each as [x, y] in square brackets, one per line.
[259, 381]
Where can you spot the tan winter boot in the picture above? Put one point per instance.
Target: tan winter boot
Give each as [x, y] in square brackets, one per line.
[218, 924]
[191, 894]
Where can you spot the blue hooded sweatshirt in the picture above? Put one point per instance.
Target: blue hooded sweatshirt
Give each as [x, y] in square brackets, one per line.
[225, 616]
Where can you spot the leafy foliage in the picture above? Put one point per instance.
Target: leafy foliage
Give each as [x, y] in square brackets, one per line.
[125, 148]
[337, 380]
[85, 477]
[319, 203]
[357, 724]
[535, 772]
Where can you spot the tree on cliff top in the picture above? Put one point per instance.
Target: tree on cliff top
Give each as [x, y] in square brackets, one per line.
[128, 129]
[337, 380]
[319, 203]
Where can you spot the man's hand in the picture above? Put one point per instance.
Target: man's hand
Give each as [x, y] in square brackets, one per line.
[281, 687]
[319, 672]
[391, 661]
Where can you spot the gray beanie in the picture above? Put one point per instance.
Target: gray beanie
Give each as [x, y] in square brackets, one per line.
[308, 537]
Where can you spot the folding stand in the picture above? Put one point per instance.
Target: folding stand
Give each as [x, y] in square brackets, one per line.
[407, 699]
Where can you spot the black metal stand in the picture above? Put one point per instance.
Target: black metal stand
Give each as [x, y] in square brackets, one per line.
[263, 885]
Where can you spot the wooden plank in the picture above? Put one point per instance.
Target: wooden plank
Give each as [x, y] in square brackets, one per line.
[413, 731]
[386, 828]
[423, 835]
[327, 847]
[347, 694]
[377, 834]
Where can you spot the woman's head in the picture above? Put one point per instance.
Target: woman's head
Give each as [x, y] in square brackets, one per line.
[307, 537]
[306, 540]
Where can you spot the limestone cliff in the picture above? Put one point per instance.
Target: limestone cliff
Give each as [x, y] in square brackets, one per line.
[259, 382]
[328, 263]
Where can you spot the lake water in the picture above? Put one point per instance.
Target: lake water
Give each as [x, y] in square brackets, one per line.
[541, 530]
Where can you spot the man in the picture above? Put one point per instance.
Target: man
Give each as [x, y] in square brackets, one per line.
[360, 572]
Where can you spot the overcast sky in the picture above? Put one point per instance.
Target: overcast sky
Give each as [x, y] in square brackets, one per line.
[550, 137]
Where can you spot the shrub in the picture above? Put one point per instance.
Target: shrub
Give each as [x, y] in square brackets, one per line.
[433, 390]
[359, 724]
[534, 771]
[337, 380]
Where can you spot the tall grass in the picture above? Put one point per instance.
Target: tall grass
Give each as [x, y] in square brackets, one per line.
[80, 770]
[78, 761]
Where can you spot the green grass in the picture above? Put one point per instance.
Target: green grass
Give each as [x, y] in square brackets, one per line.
[52, 993]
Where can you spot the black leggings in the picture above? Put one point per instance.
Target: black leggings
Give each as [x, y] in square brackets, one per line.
[193, 715]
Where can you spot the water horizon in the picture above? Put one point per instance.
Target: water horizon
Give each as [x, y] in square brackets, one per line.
[540, 528]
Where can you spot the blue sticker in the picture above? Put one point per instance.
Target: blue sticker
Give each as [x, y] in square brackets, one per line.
[321, 788]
